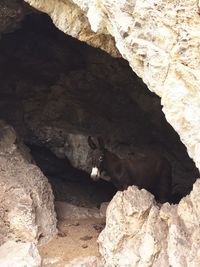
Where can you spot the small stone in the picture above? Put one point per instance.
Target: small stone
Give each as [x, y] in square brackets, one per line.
[86, 237]
[99, 227]
[72, 224]
[76, 224]
[103, 209]
[62, 233]
[84, 246]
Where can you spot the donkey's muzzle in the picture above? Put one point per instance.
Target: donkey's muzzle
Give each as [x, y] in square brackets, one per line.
[95, 174]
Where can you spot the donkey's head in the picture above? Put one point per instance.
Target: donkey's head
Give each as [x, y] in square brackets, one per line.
[97, 157]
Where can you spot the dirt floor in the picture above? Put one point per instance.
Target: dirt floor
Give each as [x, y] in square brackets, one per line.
[77, 236]
[75, 239]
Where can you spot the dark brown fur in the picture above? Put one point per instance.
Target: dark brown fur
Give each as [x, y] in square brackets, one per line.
[152, 172]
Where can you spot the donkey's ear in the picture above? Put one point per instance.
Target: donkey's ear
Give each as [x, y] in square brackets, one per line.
[101, 142]
[91, 143]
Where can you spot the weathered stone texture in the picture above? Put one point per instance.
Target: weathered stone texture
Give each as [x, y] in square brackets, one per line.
[90, 261]
[68, 211]
[26, 199]
[18, 254]
[160, 39]
[161, 42]
[70, 18]
[60, 91]
[140, 233]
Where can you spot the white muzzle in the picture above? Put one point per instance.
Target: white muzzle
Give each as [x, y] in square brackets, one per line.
[95, 174]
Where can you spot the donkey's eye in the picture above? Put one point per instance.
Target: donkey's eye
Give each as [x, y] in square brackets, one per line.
[101, 158]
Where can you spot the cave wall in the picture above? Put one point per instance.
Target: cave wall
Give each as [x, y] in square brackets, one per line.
[160, 42]
[11, 14]
[26, 199]
[59, 91]
[72, 20]
[168, 66]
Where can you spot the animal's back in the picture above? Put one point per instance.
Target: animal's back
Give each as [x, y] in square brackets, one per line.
[152, 172]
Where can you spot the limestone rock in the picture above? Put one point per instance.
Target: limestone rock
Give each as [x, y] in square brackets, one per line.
[50, 261]
[103, 208]
[159, 40]
[7, 136]
[64, 120]
[140, 233]
[26, 199]
[90, 261]
[70, 18]
[77, 150]
[65, 210]
[18, 254]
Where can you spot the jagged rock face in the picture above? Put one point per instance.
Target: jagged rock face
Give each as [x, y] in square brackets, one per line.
[70, 18]
[59, 91]
[160, 41]
[140, 233]
[19, 254]
[27, 209]
[51, 102]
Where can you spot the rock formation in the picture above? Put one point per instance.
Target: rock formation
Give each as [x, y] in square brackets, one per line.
[160, 40]
[59, 91]
[19, 254]
[139, 232]
[26, 199]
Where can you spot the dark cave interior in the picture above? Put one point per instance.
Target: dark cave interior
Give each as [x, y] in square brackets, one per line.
[70, 184]
[56, 91]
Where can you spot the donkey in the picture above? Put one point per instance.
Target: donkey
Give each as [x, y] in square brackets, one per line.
[152, 172]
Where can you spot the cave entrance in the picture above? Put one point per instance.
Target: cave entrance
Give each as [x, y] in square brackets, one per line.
[80, 204]
[70, 184]
[56, 91]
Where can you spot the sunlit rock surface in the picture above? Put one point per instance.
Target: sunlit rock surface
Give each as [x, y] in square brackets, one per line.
[71, 19]
[19, 254]
[140, 233]
[90, 261]
[160, 39]
[26, 199]
[66, 211]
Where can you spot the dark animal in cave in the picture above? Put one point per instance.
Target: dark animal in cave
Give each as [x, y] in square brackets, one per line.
[152, 172]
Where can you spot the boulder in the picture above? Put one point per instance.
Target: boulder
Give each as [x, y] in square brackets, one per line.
[18, 254]
[66, 210]
[90, 261]
[26, 199]
[139, 232]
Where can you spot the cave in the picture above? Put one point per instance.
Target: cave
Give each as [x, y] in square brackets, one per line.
[56, 91]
